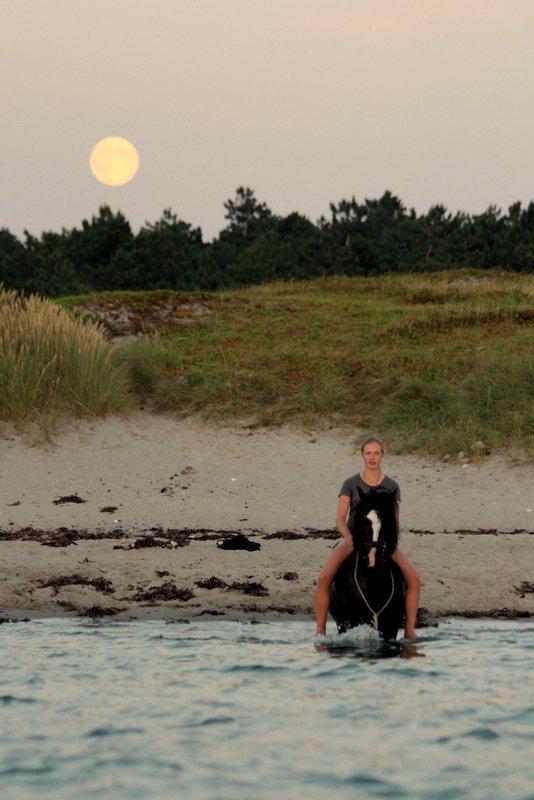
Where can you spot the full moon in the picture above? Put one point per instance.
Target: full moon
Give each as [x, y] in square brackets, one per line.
[114, 161]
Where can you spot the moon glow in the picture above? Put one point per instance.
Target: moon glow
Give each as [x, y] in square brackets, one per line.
[114, 161]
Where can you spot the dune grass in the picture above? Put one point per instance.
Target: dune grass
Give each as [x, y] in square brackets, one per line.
[52, 364]
[430, 362]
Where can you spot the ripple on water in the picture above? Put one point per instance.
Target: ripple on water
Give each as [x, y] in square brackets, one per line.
[26, 770]
[355, 718]
[373, 784]
[201, 723]
[11, 698]
[482, 733]
[111, 731]
[376, 786]
[252, 668]
[518, 715]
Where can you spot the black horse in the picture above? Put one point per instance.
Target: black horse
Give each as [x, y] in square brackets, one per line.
[368, 588]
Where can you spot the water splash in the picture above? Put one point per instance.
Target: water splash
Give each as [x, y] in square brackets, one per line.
[361, 636]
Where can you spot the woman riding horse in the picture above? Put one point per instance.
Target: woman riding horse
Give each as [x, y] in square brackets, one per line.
[371, 477]
[368, 588]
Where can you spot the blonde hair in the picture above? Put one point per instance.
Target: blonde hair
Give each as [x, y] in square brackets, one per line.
[371, 440]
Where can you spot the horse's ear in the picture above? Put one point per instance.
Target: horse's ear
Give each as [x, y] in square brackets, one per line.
[360, 492]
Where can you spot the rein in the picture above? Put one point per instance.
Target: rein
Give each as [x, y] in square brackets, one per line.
[374, 613]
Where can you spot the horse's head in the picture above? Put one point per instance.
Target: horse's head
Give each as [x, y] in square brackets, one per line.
[373, 525]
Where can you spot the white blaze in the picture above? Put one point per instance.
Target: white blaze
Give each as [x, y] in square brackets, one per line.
[372, 516]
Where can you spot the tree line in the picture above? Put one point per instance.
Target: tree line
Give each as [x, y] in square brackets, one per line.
[256, 245]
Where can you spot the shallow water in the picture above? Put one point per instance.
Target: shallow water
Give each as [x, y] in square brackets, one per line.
[220, 709]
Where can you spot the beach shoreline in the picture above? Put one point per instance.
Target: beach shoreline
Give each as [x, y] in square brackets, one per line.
[106, 483]
[176, 575]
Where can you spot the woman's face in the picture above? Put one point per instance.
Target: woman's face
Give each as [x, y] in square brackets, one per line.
[372, 455]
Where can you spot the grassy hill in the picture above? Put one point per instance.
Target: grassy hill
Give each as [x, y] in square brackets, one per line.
[433, 363]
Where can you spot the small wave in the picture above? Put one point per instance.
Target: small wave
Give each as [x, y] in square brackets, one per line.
[10, 698]
[485, 734]
[245, 639]
[372, 783]
[203, 723]
[181, 641]
[112, 731]
[482, 733]
[520, 713]
[26, 770]
[252, 668]
[412, 672]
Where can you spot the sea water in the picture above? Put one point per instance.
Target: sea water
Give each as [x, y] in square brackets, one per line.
[229, 710]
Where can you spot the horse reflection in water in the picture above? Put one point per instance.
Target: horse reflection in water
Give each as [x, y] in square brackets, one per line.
[368, 588]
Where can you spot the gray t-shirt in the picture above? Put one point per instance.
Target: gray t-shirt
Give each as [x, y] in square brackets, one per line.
[350, 485]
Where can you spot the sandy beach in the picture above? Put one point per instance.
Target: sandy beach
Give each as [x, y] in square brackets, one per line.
[72, 512]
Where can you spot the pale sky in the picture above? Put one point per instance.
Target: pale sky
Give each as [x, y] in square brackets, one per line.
[306, 101]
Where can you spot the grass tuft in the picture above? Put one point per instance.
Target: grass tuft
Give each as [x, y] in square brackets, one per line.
[52, 364]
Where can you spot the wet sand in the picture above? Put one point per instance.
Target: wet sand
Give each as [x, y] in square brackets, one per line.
[70, 513]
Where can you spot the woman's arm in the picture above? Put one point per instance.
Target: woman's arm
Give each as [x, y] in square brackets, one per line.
[341, 518]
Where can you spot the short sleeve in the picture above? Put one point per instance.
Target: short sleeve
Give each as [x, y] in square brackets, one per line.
[345, 488]
[398, 493]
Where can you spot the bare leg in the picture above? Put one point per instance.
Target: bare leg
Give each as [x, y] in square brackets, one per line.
[411, 600]
[322, 593]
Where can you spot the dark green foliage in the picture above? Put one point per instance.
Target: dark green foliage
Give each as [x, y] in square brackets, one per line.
[257, 246]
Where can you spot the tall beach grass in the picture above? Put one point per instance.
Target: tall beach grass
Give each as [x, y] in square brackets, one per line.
[52, 364]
